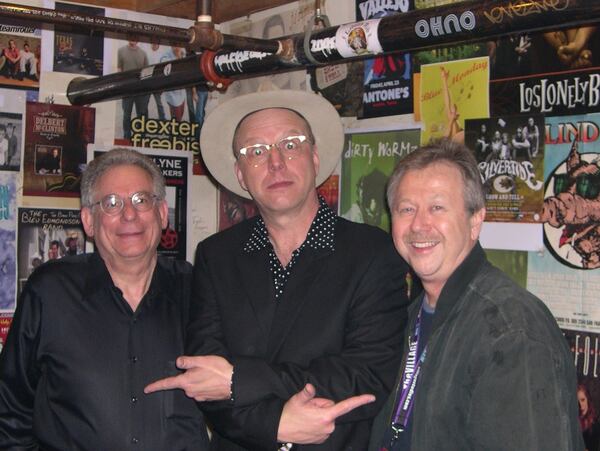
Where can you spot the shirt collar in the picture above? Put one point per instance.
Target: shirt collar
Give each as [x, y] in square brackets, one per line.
[320, 235]
[98, 278]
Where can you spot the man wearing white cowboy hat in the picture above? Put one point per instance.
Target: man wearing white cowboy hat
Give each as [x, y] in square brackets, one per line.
[294, 303]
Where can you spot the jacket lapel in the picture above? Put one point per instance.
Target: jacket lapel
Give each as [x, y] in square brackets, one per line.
[255, 276]
[306, 278]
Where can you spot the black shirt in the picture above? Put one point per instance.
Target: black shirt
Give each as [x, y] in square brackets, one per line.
[320, 235]
[77, 359]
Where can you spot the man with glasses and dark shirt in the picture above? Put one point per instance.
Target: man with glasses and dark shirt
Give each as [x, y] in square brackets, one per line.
[296, 302]
[90, 331]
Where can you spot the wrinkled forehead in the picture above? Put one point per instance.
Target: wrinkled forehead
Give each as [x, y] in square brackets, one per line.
[277, 116]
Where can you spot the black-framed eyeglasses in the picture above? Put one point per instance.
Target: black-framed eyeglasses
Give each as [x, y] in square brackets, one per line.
[289, 146]
[113, 204]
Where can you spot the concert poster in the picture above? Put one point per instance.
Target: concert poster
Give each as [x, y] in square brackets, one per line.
[387, 80]
[20, 54]
[585, 348]
[368, 160]
[76, 51]
[176, 168]
[11, 141]
[5, 322]
[565, 272]
[8, 256]
[46, 234]
[55, 148]
[450, 93]
[510, 154]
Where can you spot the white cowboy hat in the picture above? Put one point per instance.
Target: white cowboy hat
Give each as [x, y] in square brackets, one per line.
[216, 137]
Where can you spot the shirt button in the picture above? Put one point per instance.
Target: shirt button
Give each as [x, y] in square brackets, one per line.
[134, 359]
[134, 399]
[135, 440]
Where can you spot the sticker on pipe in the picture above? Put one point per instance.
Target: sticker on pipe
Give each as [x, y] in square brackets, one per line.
[358, 39]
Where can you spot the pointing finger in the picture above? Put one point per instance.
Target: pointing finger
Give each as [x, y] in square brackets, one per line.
[349, 404]
[168, 383]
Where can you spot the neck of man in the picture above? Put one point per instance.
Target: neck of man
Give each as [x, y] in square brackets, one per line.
[132, 277]
[287, 231]
[432, 294]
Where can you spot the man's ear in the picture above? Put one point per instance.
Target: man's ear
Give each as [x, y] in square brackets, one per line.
[163, 211]
[315, 157]
[87, 219]
[476, 220]
[240, 176]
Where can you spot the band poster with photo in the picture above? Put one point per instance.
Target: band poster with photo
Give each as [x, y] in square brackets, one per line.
[177, 170]
[56, 139]
[510, 154]
[46, 234]
[368, 160]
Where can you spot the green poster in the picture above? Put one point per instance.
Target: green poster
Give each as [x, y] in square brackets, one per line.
[367, 162]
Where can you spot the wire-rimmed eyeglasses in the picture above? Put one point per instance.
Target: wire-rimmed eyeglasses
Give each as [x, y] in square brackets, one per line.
[257, 154]
[113, 204]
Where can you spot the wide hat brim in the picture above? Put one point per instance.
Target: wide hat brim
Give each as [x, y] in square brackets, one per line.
[216, 137]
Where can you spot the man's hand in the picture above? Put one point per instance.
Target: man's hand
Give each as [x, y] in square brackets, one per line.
[309, 420]
[207, 378]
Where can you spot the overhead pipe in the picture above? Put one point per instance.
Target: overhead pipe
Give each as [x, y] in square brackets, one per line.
[199, 36]
[457, 23]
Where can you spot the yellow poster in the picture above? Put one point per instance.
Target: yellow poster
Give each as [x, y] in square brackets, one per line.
[451, 92]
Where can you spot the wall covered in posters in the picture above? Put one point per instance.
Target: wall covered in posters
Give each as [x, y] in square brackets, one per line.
[541, 171]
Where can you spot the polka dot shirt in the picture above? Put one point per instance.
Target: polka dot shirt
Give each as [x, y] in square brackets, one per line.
[320, 236]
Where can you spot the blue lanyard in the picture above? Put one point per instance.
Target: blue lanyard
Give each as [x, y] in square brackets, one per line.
[410, 375]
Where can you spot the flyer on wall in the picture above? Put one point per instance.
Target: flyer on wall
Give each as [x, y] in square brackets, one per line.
[565, 274]
[46, 234]
[176, 167]
[368, 160]
[56, 139]
[510, 154]
[8, 256]
[585, 347]
[450, 93]
[387, 81]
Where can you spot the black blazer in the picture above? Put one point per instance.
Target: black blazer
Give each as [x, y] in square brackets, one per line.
[337, 325]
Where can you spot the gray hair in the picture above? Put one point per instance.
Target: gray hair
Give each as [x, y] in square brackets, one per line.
[119, 157]
[442, 151]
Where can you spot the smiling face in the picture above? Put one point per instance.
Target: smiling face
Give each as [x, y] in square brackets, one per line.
[279, 185]
[431, 226]
[131, 235]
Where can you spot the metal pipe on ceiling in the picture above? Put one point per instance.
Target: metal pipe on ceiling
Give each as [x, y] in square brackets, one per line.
[456, 23]
[239, 57]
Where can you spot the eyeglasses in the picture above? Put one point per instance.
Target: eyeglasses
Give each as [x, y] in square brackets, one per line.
[113, 204]
[257, 154]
